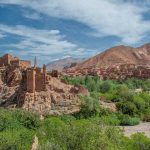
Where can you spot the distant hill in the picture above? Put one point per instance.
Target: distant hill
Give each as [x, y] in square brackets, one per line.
[64, 63]
[118, 63]
[119, 55]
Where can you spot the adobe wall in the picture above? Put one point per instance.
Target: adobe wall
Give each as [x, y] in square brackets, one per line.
[5, 60]
[31, 80]
[39, 82]
[24, 63]
[15, 61]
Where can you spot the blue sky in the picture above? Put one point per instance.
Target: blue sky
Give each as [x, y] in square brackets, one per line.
[55, 29]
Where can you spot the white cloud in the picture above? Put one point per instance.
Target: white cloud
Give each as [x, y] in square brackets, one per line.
[38, 42]
[31, 15]
[105, 17]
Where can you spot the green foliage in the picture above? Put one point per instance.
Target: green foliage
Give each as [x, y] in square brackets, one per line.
[127, 108]
[146, 115]
[91, 128]
[13, 134]
[27, 119]
[111, 120]
[89, 107]
[127, 120]
[105, 86]
[68, 133]
[123, 93]
[67, 118]
[79, 134]
[139, 142]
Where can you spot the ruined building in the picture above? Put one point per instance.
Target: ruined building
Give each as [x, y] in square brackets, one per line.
[37, 78]
[33, 89]
[8, 59]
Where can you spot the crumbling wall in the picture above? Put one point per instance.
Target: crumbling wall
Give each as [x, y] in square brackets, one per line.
[39, 82]
[31, 80]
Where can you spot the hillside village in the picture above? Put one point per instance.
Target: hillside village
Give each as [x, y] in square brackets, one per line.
[32, 88]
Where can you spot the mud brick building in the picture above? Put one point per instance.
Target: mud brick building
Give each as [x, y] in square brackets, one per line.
[8, 59]
[37, 79]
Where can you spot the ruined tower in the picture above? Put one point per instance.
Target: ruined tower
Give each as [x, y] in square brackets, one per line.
[36, 78]
[31, 80]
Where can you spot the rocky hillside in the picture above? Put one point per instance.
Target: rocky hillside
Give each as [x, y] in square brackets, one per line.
[119, 63]
[64, 63]
[119, 55]
[57, 98]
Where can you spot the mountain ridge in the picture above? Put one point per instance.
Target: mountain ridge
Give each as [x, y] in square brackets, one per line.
[64, 63]
[119, 55]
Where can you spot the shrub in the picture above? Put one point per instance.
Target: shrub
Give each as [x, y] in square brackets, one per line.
[89, 107]
[139, 102]
[27, 119]
[16, 139]
[105, 87]
[146, 115]
[139, 142]
[7, 120]
[108, 96]
[110, 120]
[80, 134]
[127, 108]
[127, 120]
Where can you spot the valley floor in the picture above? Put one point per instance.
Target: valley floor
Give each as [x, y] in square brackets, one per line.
[142, 127]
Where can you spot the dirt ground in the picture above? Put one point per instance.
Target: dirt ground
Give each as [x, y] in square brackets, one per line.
[142, 127]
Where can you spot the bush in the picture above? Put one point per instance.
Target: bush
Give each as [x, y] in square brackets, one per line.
[110, 120]
[105, 87]
[7, 120]
[139, 142]
[16, 139]
[89, 107]
[139, 102]
[127, 108]
[79, 134]
[146, 115]
[27, 119]
[108, 96]
[127, 120]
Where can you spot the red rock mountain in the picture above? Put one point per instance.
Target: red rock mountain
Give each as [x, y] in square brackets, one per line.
[119, 63]
[119, 55]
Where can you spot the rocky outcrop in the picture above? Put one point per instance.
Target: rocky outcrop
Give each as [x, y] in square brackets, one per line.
[12, 76]
[56, 98]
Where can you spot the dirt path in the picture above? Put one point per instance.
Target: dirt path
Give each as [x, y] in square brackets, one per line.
[142, 127]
